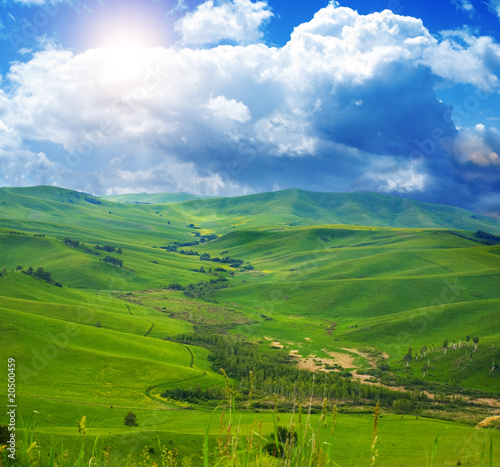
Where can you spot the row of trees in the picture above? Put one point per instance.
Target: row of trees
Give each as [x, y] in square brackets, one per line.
[109, 249]
[233, 262]
[446, 345]
[261, 374]
[113, 261]
[71, 243]
[40, 274]
[202, 289]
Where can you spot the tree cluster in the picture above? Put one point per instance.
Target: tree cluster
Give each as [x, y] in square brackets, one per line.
[233, 262]
[276, 373]
[201, 289]
[41, 274]
[71, 243]
[113, 261]
[490, 239]
[109, 249]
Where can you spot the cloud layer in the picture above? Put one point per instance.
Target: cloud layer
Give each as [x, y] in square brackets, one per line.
[238, 21]
[349, 103]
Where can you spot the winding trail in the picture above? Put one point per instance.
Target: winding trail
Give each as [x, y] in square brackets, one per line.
[191, 365]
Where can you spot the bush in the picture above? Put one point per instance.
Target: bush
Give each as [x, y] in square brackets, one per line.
[384, 366]
[71, 243]
[114, 261]
[107, 248]
[130, 419]
[274, 449]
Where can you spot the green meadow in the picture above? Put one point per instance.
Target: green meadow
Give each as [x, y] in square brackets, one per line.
[151, 297]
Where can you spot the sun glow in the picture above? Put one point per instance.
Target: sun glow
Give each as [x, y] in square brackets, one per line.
[127, 28]
[128, 36]
[123, 40]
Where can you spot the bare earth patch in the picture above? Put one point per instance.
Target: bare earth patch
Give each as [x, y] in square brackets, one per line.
[343, 359]
[315, 364]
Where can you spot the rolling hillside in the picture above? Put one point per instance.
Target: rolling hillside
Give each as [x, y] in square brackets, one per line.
[299, 207]
[291, 271]
[151, 198]
[265, 210]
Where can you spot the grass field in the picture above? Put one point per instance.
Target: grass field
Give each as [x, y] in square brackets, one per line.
[310, 283]
[402, 440]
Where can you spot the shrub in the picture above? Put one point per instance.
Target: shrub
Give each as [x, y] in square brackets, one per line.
[130, 419]
[114, 261]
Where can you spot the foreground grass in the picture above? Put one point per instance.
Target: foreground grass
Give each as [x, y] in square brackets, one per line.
[227, 437]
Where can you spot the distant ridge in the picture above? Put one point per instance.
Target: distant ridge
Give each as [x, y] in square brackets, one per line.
[151, 198]
[290, 207]
[299, 207]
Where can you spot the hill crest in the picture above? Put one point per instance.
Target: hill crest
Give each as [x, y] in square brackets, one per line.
[292, 207]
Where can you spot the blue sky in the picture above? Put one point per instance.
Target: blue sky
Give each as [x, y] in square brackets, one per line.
[233, 97]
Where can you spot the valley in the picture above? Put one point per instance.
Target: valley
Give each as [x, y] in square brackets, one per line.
[215, 320]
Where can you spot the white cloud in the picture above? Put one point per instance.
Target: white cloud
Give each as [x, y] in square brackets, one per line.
[185, 118]
[463, 58]
[286, 136]
[478, 145]
[180, 6]
[40, 2]
[168, 176]
[495, 6]
[229, 109]
[238, 21]
[391, 176]
[21, 167]
[464, 5]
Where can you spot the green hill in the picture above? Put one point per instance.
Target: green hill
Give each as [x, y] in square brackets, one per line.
[151, 198]
[299, 207]
[133, 286]
[291, 207]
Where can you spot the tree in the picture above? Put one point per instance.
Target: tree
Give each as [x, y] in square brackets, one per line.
[130, 420]
[30, 271]
[114, 261]
[467, 339]
[407, 358]
[119, 251]
[205, 257]
[476, 341]
[202, 269]
[445, 345]
[39, 273]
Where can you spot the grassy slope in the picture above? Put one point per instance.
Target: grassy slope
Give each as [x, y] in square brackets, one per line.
[117, 363]
[299, 207]
[383, 288]
[402, 440]
[150, 198]
[408, 286]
